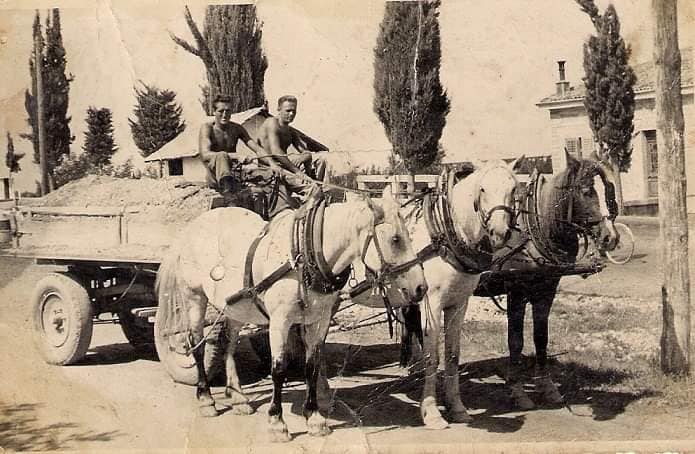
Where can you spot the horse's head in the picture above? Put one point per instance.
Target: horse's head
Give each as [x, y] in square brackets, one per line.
[493, 201]
[388, 251]
[593, 204]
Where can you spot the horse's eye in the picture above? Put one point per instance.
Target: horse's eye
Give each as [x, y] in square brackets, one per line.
[482, 189]
[396, 239]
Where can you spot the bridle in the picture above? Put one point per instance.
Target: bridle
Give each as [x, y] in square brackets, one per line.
[379, 278]
[484, 216]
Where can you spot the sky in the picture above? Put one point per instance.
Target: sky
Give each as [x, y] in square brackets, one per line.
[498, 60]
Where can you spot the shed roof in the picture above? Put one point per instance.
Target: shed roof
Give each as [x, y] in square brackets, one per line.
[185, 145]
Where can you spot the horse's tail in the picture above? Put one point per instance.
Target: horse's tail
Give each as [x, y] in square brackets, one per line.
[172, 311]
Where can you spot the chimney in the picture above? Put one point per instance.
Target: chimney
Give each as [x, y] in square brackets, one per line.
[562, 86]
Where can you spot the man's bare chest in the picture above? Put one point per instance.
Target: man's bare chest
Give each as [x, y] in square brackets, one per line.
[224, 140]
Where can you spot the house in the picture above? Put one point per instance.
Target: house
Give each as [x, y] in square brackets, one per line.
[179, 158]
[570, 129]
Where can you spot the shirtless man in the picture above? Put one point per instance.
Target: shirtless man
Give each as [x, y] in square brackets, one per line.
[276, 136]
[217, 142]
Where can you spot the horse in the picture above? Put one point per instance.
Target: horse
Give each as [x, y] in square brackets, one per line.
[555, 213]
[455, 233]
[288, 274]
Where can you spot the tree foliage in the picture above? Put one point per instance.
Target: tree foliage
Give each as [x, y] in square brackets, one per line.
[157, 119]
[230, 48]
[609, 81]
[56, 88]
[409, 98]
[12, 157]
[99, 145]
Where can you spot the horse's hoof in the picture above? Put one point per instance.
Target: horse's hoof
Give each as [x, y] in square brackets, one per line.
[242, 409]
[548, 391]
[435, 422]
[279, 437]
[277, 430]
[520, 399]
[208, 411]
[317, 425]
[460, 417]
[320, 430]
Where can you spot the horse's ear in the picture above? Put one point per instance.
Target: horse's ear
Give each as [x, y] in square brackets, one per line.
[376, 208]
[388, 191]
[571, 160]
[516, 165]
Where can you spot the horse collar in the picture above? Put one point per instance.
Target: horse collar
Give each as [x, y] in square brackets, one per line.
[452, 248]
[307, 250]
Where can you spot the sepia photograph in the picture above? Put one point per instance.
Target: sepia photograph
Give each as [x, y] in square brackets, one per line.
[347, 226]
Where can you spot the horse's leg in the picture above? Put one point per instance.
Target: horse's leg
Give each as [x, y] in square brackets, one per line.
[237, 399]
[516, 308]
[411, 326]
[314, 336]
[541, 312]
[453, 323]
[196, 314]
[279, 333]
[430, 319]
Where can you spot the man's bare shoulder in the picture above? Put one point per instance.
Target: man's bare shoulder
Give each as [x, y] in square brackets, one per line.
[270, 123]
[207, 126]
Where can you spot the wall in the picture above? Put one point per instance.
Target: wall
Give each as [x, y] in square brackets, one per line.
[573, 122]
[193, 170]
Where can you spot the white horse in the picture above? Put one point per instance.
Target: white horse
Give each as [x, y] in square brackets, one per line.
[208, 265]
[481, 209]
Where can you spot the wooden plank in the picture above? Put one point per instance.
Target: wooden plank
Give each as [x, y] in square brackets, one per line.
[78, 211]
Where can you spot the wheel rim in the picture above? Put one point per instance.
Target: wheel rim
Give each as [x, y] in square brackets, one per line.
[625, 247]
[55, 320]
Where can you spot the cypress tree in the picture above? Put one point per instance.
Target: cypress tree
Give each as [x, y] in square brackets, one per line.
[409, 98]
[12, 157]
[610, 96]
[230, 47]
[157, 119]
[99, 145]
[56, 94]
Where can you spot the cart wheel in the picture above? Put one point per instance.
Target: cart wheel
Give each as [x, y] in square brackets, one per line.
[62, 318]
[138, 331]
[181, 367]
[626, 246]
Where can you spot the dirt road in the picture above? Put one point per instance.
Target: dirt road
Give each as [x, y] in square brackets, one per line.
[119, 399]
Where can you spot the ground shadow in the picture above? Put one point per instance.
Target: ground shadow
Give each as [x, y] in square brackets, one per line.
[392, 400]
[21, 430]
[121, 353]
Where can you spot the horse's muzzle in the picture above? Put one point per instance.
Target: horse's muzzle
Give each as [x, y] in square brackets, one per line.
[417, 296]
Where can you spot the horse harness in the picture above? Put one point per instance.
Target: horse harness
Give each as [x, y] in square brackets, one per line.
[311, 266]
[454, 249]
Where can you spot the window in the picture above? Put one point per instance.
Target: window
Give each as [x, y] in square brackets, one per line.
[175, 167]
[574, 146]
[652, 158]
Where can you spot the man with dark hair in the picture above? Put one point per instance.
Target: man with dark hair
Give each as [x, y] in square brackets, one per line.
[276, 136]
[217, 142]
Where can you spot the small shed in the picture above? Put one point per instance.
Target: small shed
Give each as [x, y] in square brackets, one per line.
[179, 158]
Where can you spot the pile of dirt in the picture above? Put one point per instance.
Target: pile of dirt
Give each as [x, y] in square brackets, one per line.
[162, 200]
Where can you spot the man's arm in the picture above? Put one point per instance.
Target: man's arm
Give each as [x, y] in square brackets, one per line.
[205, 144]
[274, 147]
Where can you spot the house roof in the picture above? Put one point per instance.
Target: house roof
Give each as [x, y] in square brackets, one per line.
[645, 80]
[185, 145]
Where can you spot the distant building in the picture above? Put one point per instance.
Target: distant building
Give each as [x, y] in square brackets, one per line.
[571, 130]
[179, 158]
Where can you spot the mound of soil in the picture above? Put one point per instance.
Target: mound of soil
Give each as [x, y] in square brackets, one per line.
[162, 200]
